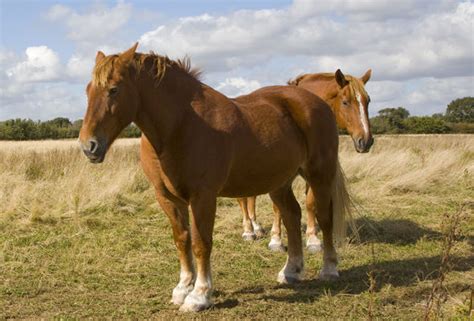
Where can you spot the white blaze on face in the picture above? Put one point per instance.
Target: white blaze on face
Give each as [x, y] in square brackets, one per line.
[362, 115]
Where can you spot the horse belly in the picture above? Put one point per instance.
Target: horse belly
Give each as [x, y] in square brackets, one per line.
[261, 166]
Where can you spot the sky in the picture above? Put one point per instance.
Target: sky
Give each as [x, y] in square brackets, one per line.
[421, 52]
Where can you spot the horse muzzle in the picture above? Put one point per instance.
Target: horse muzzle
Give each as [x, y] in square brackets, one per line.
[363, 145]
[95, 150]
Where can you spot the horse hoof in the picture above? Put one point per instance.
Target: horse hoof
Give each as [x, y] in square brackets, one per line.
[328, 275]
[258, 229]
[290, 278]
[259, 232]
[195, 303]
[277, 247]
[249, 236]
[179, 294]
[313, 248]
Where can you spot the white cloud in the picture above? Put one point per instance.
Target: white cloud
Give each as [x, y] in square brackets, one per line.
[438, 92]
[97, 25]
[42, 101]
[79, 67]
[370, 9]
[233, 87]
[415, 47]
[40, 64]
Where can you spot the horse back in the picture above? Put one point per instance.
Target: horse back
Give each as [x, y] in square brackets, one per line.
[310, 113]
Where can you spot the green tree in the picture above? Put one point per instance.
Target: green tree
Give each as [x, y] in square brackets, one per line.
[461, 110]
[390, 120]
[131, 131]
[59, 122]
[425, 125]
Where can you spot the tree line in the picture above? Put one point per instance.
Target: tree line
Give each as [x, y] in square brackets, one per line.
[458, 118]
[57, 128]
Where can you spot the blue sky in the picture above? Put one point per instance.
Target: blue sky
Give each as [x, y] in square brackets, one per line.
[421, 52]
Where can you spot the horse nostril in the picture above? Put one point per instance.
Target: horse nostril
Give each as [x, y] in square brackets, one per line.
[360, 142]
[93, 145]
[371, 142]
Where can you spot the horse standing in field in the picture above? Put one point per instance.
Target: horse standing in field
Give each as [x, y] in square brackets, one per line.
[198, 144]
[348, 99]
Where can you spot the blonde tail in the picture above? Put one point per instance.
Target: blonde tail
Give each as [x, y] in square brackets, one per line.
[341, 208]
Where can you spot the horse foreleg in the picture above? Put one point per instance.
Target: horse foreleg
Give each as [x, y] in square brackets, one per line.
[251, 205]
[203, 209]
[313, 244]
[178, 215]
[276, 244]
[248, 234]
[288, 206]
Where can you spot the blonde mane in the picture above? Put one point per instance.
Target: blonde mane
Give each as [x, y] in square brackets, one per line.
[104, 69]
[355, 84]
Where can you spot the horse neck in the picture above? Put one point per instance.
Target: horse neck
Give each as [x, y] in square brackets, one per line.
[324, 87]
[164, 105]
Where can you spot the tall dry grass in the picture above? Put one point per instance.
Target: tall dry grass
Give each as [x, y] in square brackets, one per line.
[51, 179]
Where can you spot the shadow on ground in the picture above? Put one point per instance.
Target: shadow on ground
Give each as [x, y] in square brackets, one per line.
[354, 280]
[398, 231]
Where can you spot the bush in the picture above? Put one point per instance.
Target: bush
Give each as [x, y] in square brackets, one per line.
[425, 125]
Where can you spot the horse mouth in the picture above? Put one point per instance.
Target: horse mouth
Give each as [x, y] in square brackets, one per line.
[363, 151]
[96, 159]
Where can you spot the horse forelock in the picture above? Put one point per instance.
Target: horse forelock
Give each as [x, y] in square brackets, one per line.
[357, 87]
[103, 70]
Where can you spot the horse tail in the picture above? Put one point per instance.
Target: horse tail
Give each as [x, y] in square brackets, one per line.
[341, 207]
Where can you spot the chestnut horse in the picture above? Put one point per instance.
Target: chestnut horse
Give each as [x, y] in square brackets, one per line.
[348, 99]
[198, 144]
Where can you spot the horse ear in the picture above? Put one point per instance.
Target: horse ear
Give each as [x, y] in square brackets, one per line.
[341, 79]
[100, 55]
[127, 56]
[365, 78]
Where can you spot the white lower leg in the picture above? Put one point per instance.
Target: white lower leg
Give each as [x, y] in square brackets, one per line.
[200, 297]
[275, 244]
[329, 269]
[313, 244]
[248, 234]
[184, 287]
[292, 270]
[257, 228]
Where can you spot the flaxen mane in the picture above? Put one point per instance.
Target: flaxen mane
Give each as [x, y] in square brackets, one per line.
[103, 70]
[355, 84]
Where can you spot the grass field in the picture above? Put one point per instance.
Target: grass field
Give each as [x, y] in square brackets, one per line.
[79, 240]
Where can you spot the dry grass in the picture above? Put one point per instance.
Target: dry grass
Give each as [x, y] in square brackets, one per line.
[83, 240]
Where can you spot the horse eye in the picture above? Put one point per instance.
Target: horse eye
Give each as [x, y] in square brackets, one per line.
[345, 103]
[113, 91]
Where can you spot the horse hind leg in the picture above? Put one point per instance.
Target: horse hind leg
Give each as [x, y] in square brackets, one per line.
[324, 215]
[313, 244]
[276, 244]
[287, 205]
[257, 228]
[249, 233]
